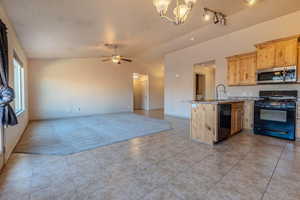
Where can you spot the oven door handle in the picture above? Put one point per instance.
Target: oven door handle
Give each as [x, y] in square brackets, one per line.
[277, 131]
[280, 109]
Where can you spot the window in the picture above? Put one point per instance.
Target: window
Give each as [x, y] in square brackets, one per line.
[18, 85]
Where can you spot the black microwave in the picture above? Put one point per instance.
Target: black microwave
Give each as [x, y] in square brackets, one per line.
[277, 75]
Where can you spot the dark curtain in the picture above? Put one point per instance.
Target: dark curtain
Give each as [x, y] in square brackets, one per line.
[7, 114]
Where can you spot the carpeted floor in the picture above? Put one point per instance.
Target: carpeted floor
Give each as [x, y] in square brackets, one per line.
[72, 135]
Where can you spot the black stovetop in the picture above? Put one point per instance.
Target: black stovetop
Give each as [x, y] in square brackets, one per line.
[279, 95]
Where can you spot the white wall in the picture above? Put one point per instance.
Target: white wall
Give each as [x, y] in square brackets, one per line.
[78, 87]
[13, 134]
[179, 64]
[156, 84]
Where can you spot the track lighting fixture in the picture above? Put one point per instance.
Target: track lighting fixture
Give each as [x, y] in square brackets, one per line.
[218, 17]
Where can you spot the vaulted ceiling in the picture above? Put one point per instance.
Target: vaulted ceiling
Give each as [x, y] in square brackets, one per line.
[77, 28]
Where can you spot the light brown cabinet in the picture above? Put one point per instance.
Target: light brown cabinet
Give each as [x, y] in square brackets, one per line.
[265, 56]
[298, 67]
[204, 123]
[233, 71]
[277, 53]
[242, 69]
[286, 53]
[247, 68]
[248, 115]
[236, 117]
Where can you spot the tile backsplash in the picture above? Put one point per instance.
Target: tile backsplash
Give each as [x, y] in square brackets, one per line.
[253, 91]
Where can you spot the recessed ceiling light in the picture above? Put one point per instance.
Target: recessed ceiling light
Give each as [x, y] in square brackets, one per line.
[206, 16]
[192, 38]
[250, 2]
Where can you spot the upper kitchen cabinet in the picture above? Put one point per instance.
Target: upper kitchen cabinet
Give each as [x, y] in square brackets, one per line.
[233, 74]
[286, 53]
[242, 69]
[247, 68]
[298, 63]
[277, 53]
[266, 56]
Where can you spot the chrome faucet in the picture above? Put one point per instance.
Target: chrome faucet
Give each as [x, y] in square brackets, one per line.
[217, 90]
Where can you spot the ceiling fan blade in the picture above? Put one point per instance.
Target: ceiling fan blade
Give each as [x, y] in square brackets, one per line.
[106, 60]
[105, 56]
[126, 59]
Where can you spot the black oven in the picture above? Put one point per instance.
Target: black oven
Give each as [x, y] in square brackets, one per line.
[276, 116]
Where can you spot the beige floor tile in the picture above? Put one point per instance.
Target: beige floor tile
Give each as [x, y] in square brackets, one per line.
[190, 186]
[166, 165]
[162, 193]
[283, 189]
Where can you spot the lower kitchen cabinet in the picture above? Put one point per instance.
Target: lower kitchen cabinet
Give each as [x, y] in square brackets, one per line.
[204, 123]
[298, 122]
[236, 117]
[248, 121]
[209, 122]
[298, 129]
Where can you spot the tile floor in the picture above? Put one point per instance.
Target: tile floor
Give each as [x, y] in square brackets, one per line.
[163, 166]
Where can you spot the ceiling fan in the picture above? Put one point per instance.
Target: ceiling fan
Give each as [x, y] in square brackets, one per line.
[116, 58]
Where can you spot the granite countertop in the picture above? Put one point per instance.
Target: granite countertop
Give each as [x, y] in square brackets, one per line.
[214, 101]
[222, 101]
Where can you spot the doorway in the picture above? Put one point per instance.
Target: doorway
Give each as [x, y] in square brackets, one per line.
[204, 81]
[140, 91]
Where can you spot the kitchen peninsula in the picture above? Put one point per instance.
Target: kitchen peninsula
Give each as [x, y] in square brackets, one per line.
[216, 120]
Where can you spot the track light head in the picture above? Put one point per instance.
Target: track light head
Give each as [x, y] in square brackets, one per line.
[218, 17]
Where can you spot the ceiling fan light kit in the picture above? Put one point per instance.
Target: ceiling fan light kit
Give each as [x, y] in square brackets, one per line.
[116, 58]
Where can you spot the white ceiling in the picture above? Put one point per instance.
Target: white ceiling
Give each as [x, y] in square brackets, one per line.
[79, 28]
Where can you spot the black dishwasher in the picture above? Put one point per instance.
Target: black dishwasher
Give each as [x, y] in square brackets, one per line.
[224, 121]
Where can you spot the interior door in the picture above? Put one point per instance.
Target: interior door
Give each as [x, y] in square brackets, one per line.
[137, 94]
[143, 95]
